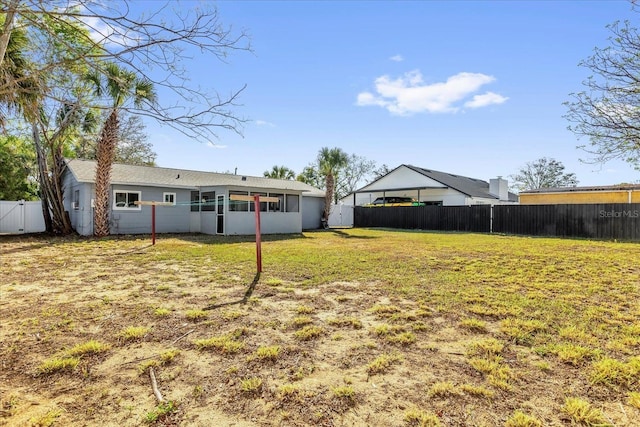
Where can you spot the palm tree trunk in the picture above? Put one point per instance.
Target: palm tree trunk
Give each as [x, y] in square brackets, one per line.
[5, 35]
[105, 156]
[328, 195]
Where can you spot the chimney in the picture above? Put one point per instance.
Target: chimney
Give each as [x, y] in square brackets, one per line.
[499, 187]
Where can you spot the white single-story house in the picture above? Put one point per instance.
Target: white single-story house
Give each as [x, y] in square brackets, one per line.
[200, 201]
[433, 188]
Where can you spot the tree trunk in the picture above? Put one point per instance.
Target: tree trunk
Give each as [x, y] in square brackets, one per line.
[56, 219]
[7, 28]
[105, 156]
[41, 158]
[328, 196]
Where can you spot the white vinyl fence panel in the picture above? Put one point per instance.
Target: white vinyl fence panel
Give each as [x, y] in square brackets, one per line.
[21, 217]
[341, 216]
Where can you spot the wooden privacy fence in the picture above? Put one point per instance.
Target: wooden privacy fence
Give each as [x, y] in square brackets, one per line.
[597, 221]
[602, 221]
[475, 218]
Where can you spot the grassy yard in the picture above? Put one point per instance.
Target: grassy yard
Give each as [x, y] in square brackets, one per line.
[343, 328]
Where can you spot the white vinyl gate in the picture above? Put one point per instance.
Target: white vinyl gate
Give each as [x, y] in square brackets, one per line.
[21, 217]
[341, 216]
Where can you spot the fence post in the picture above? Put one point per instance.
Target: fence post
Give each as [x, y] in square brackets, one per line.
[491, 220]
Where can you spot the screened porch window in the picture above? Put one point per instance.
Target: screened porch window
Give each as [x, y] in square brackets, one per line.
[293, 203]
[208, 201]
[263, 205]
[238, 205]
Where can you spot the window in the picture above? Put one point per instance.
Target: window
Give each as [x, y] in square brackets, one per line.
[293, 203]
[76, 200]
[169, 198]
[263, 205]
[238, 205]
[125, 200]
[195, 201]
[208, 201]
[277, 206]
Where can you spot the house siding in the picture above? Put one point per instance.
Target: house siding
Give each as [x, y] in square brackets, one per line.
[402, 177]
[244, 223]
[169, 219]
[82, 217]
[311, 208]
[179, 218]
[580, 197]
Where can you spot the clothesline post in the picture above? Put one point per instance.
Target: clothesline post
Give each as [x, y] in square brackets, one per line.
[256, 204]
[153, 214]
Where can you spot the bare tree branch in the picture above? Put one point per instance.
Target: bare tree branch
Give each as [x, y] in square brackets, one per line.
[607, 112]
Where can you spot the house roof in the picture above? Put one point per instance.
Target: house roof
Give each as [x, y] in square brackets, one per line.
[471, 187]
[150, 176]
[620, 187]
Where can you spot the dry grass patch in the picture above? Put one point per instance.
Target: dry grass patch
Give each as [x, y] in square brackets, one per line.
[420, 418]
[226, 344]
[463, 328]
[196, 315]
[132, 333]
[89, 347]
[383, 363]
[58, 364]
[583, 413]
[520, 419]
[308, 333]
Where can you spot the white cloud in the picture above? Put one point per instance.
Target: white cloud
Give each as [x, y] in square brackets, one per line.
[485, 99]
[101, 32]
[397, 58]
[264, 123]
[409, 94]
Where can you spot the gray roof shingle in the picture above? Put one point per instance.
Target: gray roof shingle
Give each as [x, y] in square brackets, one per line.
[150, 176]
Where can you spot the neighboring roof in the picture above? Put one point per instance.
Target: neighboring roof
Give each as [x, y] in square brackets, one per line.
[150, 176]
[620, 187]
[471, 187]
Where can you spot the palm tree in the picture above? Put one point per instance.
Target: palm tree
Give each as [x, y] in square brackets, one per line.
[121, 86]
[330, 161]
[280, 172]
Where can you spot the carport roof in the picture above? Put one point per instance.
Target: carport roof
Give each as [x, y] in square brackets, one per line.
[150, 176]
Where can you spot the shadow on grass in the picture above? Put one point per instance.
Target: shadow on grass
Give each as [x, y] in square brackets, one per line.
[244, 299]
[344, 235]
[32, 241]
[222, 240]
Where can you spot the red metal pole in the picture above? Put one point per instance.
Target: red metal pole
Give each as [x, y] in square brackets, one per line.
[153, 224]
[256, 204]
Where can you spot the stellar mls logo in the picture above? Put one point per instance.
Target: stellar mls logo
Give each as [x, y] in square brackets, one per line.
[619, 214]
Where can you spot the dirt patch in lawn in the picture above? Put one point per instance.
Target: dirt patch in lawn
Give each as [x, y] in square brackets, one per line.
[84, 321]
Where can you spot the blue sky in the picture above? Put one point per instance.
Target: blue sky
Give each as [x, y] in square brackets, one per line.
[467, 87]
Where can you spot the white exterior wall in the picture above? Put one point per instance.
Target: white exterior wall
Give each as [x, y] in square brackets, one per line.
[402, 177]
[194, 222]
[312, 208]
[81, 216]
[208, 222]
[244, 223]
